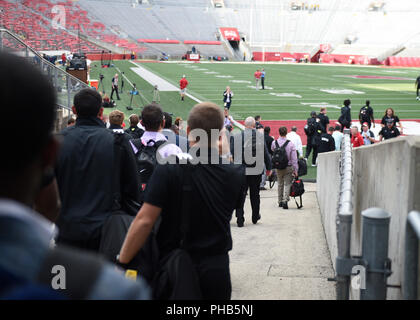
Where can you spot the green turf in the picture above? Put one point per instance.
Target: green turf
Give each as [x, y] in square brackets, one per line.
[303, 80]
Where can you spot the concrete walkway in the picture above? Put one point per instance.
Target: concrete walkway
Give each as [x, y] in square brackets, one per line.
[283, 256]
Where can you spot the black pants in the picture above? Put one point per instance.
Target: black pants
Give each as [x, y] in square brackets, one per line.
[418, 89]
[214, 276]
[308, 146]
[262, 82]
[115, 89]
[253, 184]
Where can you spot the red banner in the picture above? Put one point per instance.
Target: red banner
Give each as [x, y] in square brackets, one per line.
[230, 34]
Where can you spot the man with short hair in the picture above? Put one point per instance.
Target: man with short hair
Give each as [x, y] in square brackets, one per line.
[390, 131]
[324, 120]
[152, 118]
[116, 119]
[297, 141]
[183, 83]
[212, 201]
[87, 195]
[26, 235]
[134, 131]
[356, 137]
[251, 140]
[257, 120]
[327, 142]
[338, 137]
[285, 176]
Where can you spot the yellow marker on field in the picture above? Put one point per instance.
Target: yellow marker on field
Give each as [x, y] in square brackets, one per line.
[131, 274]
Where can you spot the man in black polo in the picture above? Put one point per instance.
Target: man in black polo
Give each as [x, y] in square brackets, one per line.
[324, 120]
[389, 131]
[85, 174]
[326, 142]
[212, 201]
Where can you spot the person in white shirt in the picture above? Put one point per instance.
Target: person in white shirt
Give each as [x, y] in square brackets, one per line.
[338, 136]
[297, 141]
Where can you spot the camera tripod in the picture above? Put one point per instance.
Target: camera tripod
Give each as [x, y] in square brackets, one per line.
[101, 84]
[133, 92]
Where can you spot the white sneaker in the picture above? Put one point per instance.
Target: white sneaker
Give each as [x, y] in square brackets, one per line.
[314, 165]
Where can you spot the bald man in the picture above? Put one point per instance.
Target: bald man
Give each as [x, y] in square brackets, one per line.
[252, 142]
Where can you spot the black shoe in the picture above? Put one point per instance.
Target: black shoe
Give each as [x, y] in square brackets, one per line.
[255, 220]
[285, 206]
[263, 188]
[281, 204]
[240, 224]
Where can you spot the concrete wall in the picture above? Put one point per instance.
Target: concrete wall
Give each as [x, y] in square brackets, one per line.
[385, 175]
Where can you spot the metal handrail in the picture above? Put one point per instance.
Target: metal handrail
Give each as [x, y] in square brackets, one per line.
[411, 264]
[344, 213]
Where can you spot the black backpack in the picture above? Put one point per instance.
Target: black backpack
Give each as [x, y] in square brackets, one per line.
[280, 159]
[302, 167]
[146, 158]
[296, 190]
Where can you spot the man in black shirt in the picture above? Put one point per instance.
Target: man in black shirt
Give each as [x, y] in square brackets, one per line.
[213, 199]
[388, 132]
[324, 120]
[85, 178]
[345, 117]
[366, 115]
[327, 142]
[310, 129]
[268, 139]
[134, 130]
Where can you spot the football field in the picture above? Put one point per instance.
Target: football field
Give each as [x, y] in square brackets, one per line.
[292, 90]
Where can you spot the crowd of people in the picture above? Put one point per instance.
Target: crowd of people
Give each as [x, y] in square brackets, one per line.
[148, 199]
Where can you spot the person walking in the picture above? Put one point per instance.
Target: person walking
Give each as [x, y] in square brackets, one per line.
[227, 97]
[297, 141]
[183, 83]
[345, 117]
[285, 176]
[257, 76]
[250, 141]
[115, 86]
[366, 115]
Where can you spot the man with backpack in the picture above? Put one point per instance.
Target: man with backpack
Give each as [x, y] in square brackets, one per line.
[251, 141]
[25, 244]
[134, 130]
[345, 117]
[285, 162]
[152, 146]
[89, 197]
[195, 203]
[313, 130]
